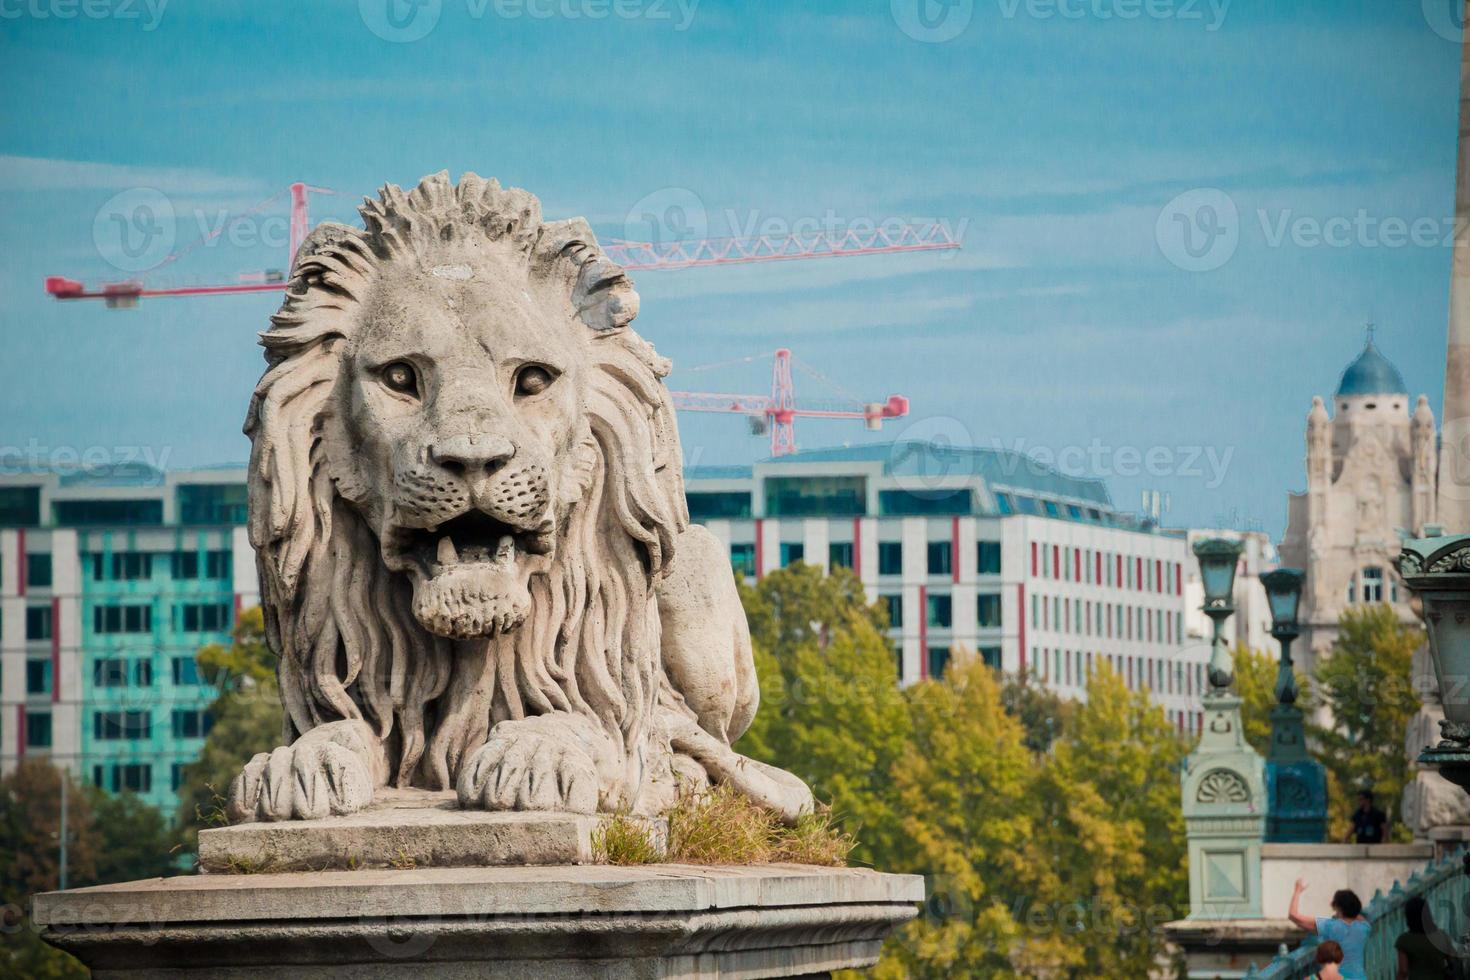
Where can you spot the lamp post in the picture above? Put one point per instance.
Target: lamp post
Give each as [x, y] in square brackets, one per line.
[1224, 780]
[1217, 560]
[1437, 570]
[1296, 785]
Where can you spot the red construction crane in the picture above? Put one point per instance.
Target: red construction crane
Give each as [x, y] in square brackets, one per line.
[778, 411]
[633, 256]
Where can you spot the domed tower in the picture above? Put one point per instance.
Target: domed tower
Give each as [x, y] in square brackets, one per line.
[1370, 473]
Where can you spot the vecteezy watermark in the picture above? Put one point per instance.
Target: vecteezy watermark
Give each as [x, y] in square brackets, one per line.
[1446, 18]
[1198, 230]
[937, 21]
[34, 457]
[147, 12]
[1101, 461]
[136, 230]
[402, 21]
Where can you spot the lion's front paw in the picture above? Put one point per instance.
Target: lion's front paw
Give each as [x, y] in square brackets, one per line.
[325, 772]
[534, 764]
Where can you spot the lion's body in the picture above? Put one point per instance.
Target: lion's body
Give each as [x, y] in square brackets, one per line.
[467, 505]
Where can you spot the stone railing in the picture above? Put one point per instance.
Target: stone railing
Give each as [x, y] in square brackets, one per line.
[1444, 884]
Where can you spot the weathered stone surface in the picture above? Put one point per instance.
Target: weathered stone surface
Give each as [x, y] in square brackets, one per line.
[467, 505]
[552, 922]
[406, 829]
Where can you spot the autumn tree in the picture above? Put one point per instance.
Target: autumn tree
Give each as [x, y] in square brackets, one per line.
[247, 719]
[1365, 687]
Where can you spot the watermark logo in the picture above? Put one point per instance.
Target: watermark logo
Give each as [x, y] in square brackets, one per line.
[1198, 231]
[135, 230]
[670, 214]
[932, 21]
[1445, 18]
[400, 21]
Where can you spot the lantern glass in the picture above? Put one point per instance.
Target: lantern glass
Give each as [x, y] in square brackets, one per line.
[1217, 559]
[1284, 593]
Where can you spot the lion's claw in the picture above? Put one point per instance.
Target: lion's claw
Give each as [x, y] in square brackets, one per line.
[529, 766]
[321, 774]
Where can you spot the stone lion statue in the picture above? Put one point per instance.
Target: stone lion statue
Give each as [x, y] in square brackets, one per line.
[468, 512]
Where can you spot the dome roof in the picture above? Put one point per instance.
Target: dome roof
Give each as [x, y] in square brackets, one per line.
[1371, 374]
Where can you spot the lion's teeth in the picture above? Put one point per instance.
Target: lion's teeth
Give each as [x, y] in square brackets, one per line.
[447, 554]
[505, 548]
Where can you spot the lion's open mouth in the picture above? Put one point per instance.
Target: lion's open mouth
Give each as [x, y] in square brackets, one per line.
[474, 538]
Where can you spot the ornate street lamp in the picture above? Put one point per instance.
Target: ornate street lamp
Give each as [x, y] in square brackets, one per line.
[1217, 560]
[1296, 785]
[1438, 571]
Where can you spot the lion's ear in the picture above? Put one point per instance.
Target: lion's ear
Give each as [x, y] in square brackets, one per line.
[324, 236]
[602, 292]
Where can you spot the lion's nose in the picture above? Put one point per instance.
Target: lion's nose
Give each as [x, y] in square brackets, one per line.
[472, 455]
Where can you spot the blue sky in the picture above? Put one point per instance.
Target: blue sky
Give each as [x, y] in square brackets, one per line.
[1072, 143]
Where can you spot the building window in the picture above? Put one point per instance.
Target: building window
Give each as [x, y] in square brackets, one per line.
[123, 566]
[991, 656]
[839, 554]
[38, 622]
[176, 776]
[110, 672]
[1004, 504]
[890, 558]
[212, 503]
[38, 570]
[122, 619]
[816, 496]
[185, 564]
[940, 557]
[192, 724]
[938, 660]
[792, 552]
[38, 730]
[204, 617]
[987, 610]
[20, 506]
[1372, 585]
[133, 777]
[731, 505]
[186, 671]
[143, 673]
[895, 609]
[939, 611]
[38, 676]
[114, 726]
[987, 558]
[902, 503]
[742, 559]
[100, 513]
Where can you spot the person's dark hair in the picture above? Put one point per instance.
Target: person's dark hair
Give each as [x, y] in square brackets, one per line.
[1348, 903]
[1329, 952]
[1366, 794]
[1418, 917]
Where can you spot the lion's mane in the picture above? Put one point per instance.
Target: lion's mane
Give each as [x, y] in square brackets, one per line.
[342, 625]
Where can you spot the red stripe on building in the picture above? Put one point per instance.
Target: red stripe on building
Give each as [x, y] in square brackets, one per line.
[923, 632]
[1097, 575]
[954, 557]
[1178, 579]
[1159, 576]
[1021, 617]
[1056, 561]
[20, 729]
[759, 565]
[55, 649]
[20, 562]
[857, 547]
[1033, 560]
[1118, 581]
[1076, 564]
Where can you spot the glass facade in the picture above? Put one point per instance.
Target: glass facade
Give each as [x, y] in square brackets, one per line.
[816, 496]
[903, 503]
[107, 513]
[718, 506]
[212, 503]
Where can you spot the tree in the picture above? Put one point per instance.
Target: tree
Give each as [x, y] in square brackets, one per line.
[1255, 682]
[109, 839]
[247, 719]
[1042, 713]
[1365, 687]
[831, 709]
[1111, 831]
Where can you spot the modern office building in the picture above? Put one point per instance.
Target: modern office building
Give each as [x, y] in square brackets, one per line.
[981, 551]
[110, 580]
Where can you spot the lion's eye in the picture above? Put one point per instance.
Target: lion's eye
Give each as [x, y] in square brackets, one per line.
[401, 377]
[533, 379]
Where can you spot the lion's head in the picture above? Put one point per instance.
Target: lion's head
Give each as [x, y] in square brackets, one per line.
[464, 477]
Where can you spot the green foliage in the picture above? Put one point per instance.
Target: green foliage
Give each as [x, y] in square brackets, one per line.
[247, 719]
[109, 839]
[1050, 833]
[1365, 686]
[1255, 682]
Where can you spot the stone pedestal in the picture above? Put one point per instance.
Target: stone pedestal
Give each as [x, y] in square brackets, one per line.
[649, 921]
[1229, 947]
[1224, 788]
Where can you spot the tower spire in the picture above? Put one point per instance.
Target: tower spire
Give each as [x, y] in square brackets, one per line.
[1454, 453]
